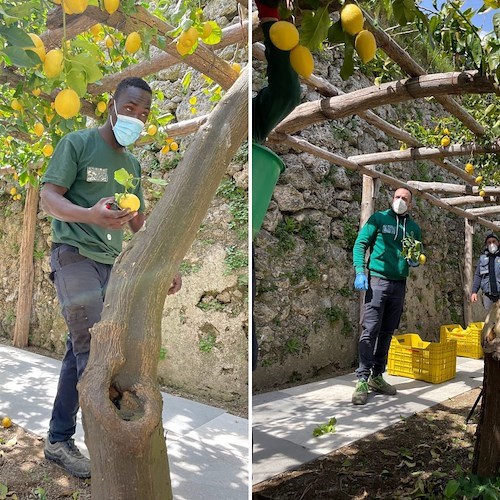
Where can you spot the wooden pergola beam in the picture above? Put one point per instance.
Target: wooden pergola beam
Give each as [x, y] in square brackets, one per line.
[484, 210]
[338, 107]
[467, 200]
[444, 187]
[303, 145]
[412, 68]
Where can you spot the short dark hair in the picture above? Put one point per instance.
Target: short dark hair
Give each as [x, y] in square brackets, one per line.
[131, 81]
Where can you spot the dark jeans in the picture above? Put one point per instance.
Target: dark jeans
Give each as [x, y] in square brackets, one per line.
[381, 314]
[80, 283]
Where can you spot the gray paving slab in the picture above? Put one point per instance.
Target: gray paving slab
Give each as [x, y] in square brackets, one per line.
[282, 427]
[208, 448]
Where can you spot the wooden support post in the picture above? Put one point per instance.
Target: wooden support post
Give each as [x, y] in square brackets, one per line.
[468, 273]
[26, 269]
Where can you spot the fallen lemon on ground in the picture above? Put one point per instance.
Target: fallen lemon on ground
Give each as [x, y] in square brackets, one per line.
[6, 422]
[133, 42]
[284, 35]
[351, 19]
[67, 103]
[445, 141]
[129, 201]
[365, 45]
[422, 259]
[469, 168]
[302, 61]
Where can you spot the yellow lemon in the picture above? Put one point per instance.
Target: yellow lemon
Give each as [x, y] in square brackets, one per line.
[133, 42]
[365, 45]
[351, 19]
[479, 179]
[95, 29]
[445, 141]
[482, 193]
[469, 168]
[47, 150]
[75, 6]
[53, 64]
[36, 92]
[174, 146]
[446, 131]
[236, 67]
[181, 48]
[207, 30]
[129, 201]
[6, 422]
[13, 191]
[284, 35]
[109, 41]
[189, 37]
[422, 259]
[302, 61]
[16, 105]
[165, 149]
[39, 47]
[111, 6]
[38, 129]
[67, 103]
[152, 129]
[101, 106]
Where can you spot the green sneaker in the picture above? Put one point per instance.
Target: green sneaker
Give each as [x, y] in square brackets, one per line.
[380, 385]
[360, 394]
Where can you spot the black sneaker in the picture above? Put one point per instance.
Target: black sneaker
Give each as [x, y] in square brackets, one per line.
[68, 456]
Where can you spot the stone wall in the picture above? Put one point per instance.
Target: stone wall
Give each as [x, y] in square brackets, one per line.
[306, 309]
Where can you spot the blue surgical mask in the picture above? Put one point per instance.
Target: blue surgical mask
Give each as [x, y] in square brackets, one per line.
[126, 129]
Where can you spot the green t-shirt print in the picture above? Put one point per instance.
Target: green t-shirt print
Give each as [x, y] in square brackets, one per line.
[85, 164]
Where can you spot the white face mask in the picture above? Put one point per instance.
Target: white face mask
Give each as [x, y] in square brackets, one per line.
[493, 248]
[399, 206]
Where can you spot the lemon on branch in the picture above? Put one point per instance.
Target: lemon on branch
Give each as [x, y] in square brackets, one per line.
[111, 6]
[446, 131]
[284, 35]
[302, 61]
[47, 150]
[207, 30]
[365, 45]
[16, 105]
[101, 106]
[174, 146]
[75, 6]
[479, 179]
[67, 103]
[39, 47]
[152, 129]
[482, 193]
[445, 141]
[133, 42]
[53, 64]
[38, 129]
[351, 19]
[469, 168]
[95, 29]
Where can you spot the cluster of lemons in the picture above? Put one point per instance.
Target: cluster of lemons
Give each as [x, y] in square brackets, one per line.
[170, 145]
[285, 36]
[188, 38]
[445, 139]
[352, 21]
[469, 168]
[14, 194]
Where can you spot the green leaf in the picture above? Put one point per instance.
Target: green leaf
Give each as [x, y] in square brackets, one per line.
[347, 69]
[124, 178]
[18, 57]
[336, 33]
[16, 36]
[186, 80]
[77, 80]
[496, 24]
[314, 29]
[3, 491]
[451, 488]
[88, 64]
[215, 36]
[159, 182]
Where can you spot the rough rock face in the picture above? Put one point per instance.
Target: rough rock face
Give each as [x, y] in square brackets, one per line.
[306, 309]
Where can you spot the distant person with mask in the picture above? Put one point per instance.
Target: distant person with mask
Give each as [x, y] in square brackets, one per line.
[384, 279]
[487, 275]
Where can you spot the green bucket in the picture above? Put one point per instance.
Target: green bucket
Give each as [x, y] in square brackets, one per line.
[266, 168]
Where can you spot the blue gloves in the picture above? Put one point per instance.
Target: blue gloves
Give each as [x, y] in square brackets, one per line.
[361, 282]
[412, 263]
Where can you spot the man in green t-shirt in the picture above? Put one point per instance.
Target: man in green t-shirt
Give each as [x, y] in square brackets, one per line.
[87, 234]
[385, 285]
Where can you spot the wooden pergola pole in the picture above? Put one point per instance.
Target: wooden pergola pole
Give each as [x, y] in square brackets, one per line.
[26, 268]
[468, 271]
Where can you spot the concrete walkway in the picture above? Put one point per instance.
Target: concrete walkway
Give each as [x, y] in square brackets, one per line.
[207, 447]
[283, 421]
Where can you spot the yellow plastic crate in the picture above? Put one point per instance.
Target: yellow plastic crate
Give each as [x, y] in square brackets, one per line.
[468, 339]
[410, 356]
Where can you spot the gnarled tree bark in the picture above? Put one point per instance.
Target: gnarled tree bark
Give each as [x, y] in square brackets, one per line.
[127, 446]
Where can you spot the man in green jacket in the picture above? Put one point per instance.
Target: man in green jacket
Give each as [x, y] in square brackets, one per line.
[384, 279]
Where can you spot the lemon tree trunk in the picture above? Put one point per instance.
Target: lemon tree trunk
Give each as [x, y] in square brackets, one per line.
[127, 445]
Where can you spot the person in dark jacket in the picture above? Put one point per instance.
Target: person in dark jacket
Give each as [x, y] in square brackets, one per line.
[487, 275]
[384, 279]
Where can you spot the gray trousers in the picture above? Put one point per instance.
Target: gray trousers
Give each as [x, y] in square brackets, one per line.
[382, 310]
